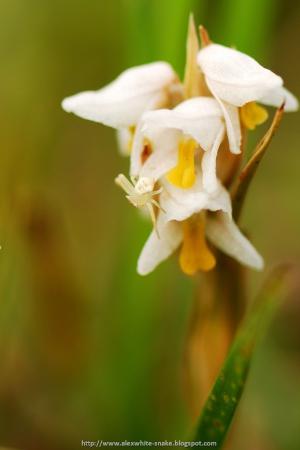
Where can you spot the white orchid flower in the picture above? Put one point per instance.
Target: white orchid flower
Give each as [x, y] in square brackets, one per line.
[121, 103]
[189, 219]
[237, 81]
[175, 140]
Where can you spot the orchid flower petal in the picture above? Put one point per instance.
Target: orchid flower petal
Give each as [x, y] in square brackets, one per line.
[163, 152]
[136, 152]
[199, 117]
[279, 95]
[225, 235]
[122, 102]
[159, 162]
[234, 76]
[124, 138]
[157, 249]
[179, 204]
[232, 121]
[209, 163]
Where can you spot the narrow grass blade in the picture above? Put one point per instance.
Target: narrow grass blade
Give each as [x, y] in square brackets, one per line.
[223, 400]
[240, 189]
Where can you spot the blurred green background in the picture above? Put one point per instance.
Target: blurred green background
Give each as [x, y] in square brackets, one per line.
[89, 350]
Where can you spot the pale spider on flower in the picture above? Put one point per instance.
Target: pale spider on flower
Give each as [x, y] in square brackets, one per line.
[140, 193]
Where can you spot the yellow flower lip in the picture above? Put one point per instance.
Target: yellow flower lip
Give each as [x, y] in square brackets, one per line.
[195, 254]
[183, 174]
[253, 115]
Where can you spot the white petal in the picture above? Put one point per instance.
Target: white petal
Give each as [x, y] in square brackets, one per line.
[232, 120]
[234, 76]
[277, 96]
[209, 163]
[122, 102]
[136, 152]
[160, 161]
[198, 107]
[164, 147]
[179, 204]
[200, 118]
[157, 249]
[224, 234]
[124, 137]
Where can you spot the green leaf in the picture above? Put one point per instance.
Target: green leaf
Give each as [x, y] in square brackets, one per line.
[223, 400]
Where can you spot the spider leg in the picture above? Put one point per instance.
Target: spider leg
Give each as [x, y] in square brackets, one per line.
[133, 179]
[124, 183]
[158, 191]
[154, 202]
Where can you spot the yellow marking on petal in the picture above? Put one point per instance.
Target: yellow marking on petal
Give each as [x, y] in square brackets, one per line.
[131, 131]
[253, 114]
[195, 254]
[183, 175]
